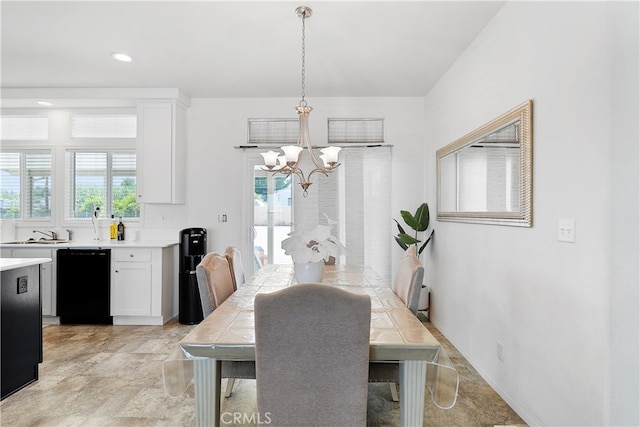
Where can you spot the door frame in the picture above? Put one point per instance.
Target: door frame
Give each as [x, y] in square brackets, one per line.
[248, 233]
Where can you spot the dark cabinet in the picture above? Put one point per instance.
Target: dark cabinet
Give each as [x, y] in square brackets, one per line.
[21, 317]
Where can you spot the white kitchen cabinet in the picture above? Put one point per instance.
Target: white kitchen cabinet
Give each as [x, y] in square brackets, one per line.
[47, 276]
[161, 150]
[131, 282]
[142, 285]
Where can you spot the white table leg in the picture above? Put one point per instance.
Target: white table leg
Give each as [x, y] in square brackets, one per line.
[207, 389]
[412, 383]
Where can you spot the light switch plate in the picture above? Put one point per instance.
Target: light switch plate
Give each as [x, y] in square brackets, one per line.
[567, 230]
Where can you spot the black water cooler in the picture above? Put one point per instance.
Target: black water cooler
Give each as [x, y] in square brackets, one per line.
[193, 247]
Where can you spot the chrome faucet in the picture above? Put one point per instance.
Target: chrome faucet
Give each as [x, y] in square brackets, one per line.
[94, 218]
[52, 236]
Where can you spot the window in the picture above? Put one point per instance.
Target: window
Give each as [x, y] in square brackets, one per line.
[24, 128]
[103, 126]
[25, 184]
[273, 131]
[362, 131]
[102, 178]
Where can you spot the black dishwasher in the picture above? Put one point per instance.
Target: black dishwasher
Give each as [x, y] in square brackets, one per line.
[83, 279]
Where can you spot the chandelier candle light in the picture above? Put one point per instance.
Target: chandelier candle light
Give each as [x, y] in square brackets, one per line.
[289, 163]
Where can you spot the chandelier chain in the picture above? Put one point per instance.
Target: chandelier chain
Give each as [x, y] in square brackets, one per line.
[302, 101]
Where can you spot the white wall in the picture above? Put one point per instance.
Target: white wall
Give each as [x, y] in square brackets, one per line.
[547, 302]
[216, 168]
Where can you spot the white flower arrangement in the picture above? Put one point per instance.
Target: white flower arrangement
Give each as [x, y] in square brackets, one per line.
[313, 246]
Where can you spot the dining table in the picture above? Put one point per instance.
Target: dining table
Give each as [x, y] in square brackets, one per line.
[396, 336]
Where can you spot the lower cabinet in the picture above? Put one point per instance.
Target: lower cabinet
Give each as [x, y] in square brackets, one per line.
[142, 286]
[131, 289]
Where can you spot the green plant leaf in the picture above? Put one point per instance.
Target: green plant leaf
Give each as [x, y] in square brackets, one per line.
[409, 240]
[426, 242]
[400, 229]
[410, 220]
[401, 243]
[422, 217]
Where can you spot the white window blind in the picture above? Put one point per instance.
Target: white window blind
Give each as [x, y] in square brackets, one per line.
[25, 184]
[104, 126]
[357, 195]
[105, 179]
[10, 185]
[37, 183]
[273, 131]
[19, 128]
[364, 131]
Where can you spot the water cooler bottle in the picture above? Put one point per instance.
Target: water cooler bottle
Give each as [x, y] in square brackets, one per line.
[193, 247]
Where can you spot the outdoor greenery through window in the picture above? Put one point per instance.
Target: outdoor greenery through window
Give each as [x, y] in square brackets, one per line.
[25, 184]
[102, 178]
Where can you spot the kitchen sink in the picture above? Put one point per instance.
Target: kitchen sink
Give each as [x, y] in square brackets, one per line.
[34, 241]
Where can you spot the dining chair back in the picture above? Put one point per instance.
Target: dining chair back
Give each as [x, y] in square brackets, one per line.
[312, 355]
[235, 259]
[215, 273]
[408, 280]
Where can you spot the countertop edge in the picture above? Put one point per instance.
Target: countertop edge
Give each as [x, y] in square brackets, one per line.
[93, 244]
[14, 263]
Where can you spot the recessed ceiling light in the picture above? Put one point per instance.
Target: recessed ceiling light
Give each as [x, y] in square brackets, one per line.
[119, 56]
[44, 103]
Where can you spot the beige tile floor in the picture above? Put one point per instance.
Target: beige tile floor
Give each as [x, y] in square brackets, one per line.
[112, 376]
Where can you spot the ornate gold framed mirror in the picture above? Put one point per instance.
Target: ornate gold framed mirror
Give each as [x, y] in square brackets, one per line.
[486, 176]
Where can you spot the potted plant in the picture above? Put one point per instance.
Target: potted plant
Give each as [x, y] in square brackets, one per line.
[310, 249]
[418, 222]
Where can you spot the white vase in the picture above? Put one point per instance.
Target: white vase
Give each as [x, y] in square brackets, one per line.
[308, 272]
[423, 302]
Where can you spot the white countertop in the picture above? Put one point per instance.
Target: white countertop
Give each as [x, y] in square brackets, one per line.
[94, 244]
[13, 263]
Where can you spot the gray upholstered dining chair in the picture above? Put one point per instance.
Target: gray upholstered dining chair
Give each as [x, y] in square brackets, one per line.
[235, 259]
[312, 355]
[215, 285]
[406, 284]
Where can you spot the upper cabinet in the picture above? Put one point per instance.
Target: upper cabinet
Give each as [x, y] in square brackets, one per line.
[161, 148]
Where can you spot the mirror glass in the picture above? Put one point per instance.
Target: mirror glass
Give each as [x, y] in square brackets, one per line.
[485, 176]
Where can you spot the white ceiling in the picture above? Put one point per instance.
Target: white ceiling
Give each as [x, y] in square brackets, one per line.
[238, 48]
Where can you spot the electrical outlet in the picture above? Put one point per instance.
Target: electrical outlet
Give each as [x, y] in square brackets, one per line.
[23, 284]
[222, 217]
[500, 351]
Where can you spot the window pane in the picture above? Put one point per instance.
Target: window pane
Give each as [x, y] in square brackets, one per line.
[89, 182]
[37, 185]
[356, 131]
[115, 126]
[24, 128]
[123, 185]
[25, 182]
[273, 131]
[104, 179]
[10, 185]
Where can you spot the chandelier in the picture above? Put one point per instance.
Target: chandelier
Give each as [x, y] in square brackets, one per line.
[289, 163]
